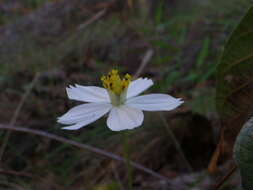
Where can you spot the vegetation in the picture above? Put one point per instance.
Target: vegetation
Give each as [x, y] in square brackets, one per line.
[176, 43]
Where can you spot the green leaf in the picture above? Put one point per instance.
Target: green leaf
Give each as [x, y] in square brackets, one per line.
[234, 96]
[159, 13]
[243, 154]
[203, 52]
[235, 72]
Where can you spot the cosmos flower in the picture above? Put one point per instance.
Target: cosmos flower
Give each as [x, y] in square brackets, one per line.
[120, 98]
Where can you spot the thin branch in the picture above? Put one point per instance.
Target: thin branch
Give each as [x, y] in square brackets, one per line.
[83, 146]
[176, 143]
[145, 60]
[16, 114]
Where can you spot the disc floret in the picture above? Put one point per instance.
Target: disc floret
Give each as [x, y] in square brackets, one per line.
[116, 86]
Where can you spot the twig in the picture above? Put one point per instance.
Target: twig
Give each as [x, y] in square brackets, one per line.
[144, 62]
[176, 143]
[11, 172]
[83, 146]
[12, 185]
[16, 114]
[218, 186]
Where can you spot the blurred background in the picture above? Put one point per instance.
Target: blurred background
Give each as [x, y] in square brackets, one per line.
[46, 45]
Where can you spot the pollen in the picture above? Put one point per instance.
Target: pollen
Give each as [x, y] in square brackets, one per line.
[114, 83]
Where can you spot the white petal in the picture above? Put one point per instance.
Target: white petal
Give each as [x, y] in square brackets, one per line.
[138, 86]
[84, 114]
[154, 102]
[124, 117]
[87, 93]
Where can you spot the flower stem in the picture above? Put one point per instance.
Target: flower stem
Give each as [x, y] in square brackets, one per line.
[126, 150]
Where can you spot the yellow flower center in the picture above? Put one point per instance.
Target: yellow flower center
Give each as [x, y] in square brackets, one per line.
[114, 83]
[116, 86]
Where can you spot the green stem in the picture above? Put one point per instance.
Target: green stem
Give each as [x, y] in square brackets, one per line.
[126, 150]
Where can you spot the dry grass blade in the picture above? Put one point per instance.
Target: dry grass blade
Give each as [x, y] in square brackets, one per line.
[225, 178]
[176, 143]
[115, 172]
[212, 166]
[92, 19]
[16, 114]
[85, 147]
[145, 60]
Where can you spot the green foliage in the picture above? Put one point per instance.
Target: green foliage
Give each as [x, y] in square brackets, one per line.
[33, 3]
[243, 154]
[159, 12]
[203, 101]
[203, 52]
[235, 71]
[109, 40]
[234, 96]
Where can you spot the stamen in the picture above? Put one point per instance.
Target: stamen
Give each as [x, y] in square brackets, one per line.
[114, 83]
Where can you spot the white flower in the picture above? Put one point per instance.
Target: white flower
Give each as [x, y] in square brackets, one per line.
[119, 98]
